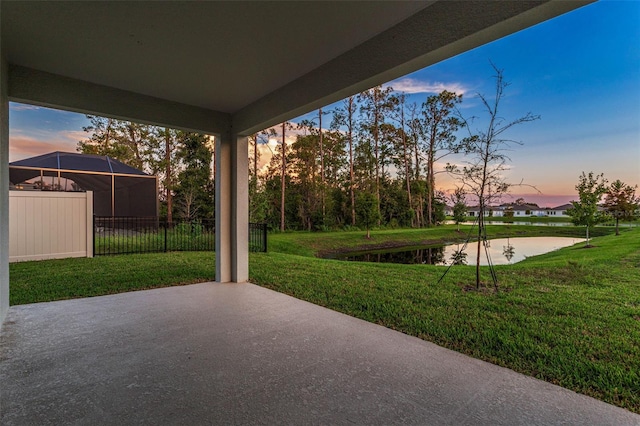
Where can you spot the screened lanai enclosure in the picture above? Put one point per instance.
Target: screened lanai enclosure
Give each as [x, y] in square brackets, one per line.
[118, 189]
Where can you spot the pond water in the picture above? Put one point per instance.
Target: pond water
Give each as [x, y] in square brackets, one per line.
[502, 251]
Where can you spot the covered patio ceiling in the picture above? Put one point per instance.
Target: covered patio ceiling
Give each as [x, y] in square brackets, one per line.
[208, 65]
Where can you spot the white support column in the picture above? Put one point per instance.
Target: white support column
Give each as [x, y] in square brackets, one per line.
[232, 209]
[4, 189]
[223, 207]
[240, 210]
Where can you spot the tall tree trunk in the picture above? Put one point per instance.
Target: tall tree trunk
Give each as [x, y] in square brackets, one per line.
[430, 175]
[376, 137]
[419, 220]
[282, 179]
[253, 189]
[406, 160]
[135, 146]
[107, 138]
[167, 159]
[431, 181]
[322, 193]
[255, 157]
[417, 157]
[351, 175]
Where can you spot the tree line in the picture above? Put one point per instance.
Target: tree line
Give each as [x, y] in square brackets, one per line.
[377, 160]
[181, 160]
[371, 161]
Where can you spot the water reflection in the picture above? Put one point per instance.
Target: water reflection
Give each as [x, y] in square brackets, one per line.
[458, 257]
[501, 251]
[508, 251]
[420, 256]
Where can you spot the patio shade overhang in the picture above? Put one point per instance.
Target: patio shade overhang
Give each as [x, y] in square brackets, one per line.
[227, 68]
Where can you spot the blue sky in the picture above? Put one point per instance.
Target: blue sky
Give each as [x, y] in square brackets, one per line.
[580, 72]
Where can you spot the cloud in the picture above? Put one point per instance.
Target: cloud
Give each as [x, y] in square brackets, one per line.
[21, 148]
[267, 149]
[16, 106]
[412, 86]
[23, 107]
[24, 146]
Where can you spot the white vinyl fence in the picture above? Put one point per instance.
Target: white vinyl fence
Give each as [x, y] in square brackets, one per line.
[50, 225]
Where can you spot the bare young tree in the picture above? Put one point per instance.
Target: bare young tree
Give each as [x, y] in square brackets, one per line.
[187, 207]
[483, 172]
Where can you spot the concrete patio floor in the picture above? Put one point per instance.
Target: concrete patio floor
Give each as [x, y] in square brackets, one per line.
[241, 354]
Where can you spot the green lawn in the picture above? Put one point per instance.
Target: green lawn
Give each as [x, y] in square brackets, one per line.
[570, 317]
[82, 277]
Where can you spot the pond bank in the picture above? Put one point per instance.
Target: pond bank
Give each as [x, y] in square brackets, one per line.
[328, 244]
[498, 251]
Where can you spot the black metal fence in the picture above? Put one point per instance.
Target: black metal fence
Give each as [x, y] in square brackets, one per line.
[121, 235]
[258, 237]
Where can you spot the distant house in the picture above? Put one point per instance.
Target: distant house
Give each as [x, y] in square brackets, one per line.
[518, 210]
[490, 211]
[540, 211]
[525, 210]
[496, 211]
[560, 211]
[473, 211]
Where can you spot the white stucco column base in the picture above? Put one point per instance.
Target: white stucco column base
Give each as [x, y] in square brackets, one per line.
[232, 209]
